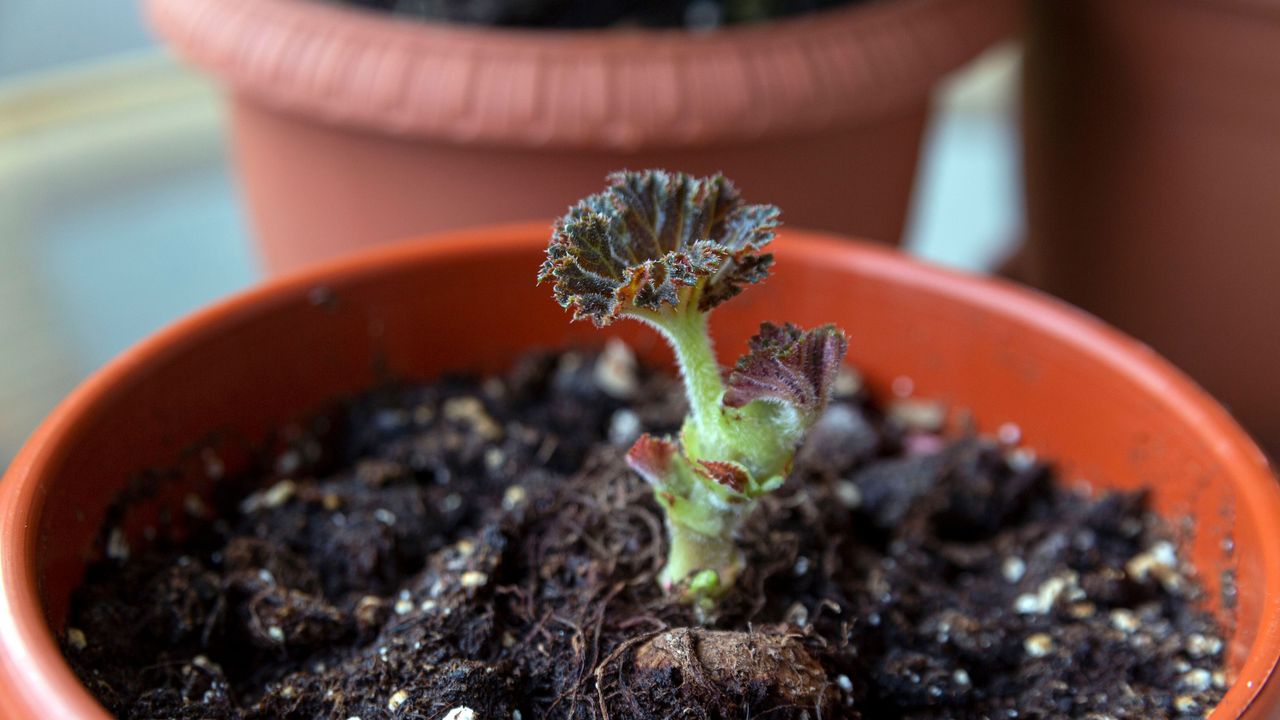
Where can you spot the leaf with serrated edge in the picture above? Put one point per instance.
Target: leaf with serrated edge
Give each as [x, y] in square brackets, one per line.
[731, 475]
[648, 235]
[651, 458]
[788, 365]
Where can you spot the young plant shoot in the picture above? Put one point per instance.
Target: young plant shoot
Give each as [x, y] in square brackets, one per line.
[666, 249]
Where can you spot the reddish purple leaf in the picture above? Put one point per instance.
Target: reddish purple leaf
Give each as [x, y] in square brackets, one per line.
[788, 365]
[729, 474]
[652, 457]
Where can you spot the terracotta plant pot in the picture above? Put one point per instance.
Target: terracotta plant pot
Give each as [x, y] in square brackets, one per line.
[1153, 164]
[1107, 408]
[352, 129]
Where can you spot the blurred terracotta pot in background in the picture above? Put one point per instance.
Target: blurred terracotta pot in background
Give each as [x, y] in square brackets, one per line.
[1153, 181]
[353, 128]
[1102, 406]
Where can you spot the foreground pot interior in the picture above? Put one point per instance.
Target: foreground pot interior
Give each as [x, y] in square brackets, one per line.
[1111, 413]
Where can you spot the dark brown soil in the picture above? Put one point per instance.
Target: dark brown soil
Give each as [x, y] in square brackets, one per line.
[480, 550]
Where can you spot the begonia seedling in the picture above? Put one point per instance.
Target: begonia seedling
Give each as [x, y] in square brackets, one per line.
[666, 249]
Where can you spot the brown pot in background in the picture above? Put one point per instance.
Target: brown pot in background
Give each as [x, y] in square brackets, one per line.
[352, 128]
[1153, 181]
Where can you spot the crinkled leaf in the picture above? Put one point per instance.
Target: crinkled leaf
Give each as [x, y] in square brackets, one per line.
[788, 365]
[651, 233]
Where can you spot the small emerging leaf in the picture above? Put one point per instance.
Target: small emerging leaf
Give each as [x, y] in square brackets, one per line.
[652, 458]
[728, 474]
[648, 235]
[788, 365]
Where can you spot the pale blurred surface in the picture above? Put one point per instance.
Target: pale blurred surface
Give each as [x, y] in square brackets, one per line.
[38, 35]
[118, 216]
[118, 212]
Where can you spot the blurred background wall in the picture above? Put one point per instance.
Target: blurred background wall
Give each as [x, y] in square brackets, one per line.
[117, 209]
[38, 34]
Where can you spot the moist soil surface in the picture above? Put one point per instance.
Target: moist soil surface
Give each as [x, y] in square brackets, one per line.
[479, 549]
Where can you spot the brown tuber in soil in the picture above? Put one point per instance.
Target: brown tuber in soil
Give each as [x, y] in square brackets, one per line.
[479, 550]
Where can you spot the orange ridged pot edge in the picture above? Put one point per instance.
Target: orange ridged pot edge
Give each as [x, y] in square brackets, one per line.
[352, 128]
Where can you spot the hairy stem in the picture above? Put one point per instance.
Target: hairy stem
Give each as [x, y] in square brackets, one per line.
[685, 329]
[687, 332]
[692, 552]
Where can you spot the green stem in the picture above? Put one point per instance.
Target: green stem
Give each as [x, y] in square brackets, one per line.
[691, 552]
[687, 332]
[685, 328]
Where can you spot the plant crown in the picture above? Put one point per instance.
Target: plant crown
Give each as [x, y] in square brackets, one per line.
[666, 248]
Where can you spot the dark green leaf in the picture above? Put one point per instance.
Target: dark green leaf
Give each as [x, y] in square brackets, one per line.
[652, 233]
